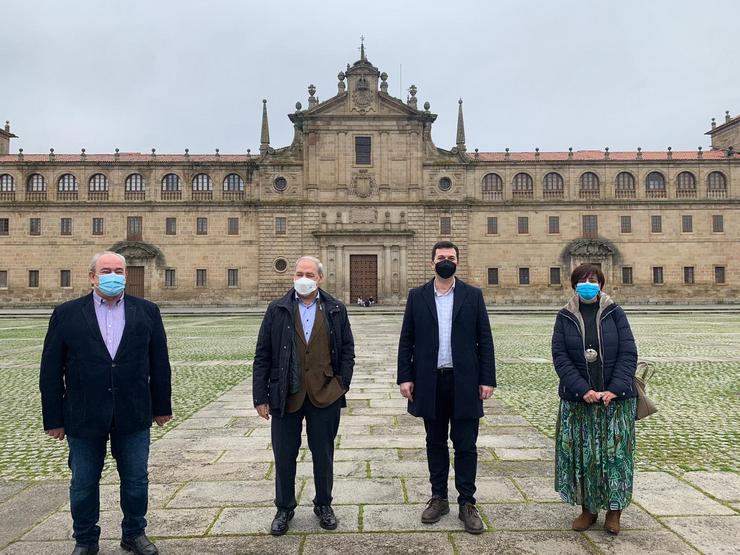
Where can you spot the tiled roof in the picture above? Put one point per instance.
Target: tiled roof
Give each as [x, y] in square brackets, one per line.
[130, 157]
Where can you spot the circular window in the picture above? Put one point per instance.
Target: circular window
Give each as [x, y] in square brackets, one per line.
[445, 184]
[280, 184]
[280, 265]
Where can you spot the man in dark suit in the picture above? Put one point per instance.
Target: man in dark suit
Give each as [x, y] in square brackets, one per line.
[446, 369]
[302, 368]
[105, 373]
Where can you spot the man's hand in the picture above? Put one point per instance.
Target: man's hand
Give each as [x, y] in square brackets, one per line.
[592, 396]
[263, 410]
[607, 397]
[486, 391]
[56, 433]
[407, 390]
[162, 420]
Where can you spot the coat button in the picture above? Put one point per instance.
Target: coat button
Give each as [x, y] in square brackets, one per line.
[109, 389]
[113, 365]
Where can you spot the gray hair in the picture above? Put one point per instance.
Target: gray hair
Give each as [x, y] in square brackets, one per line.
[313, 259]
[96, 257]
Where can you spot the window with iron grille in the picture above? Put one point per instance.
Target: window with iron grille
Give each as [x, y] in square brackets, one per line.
[170, 277]
[98, 183]
[657, 275]
[3, 279]
[7, 183]
[233, 183]
[33, 278]
[65, 278]
[232, 226]
[523, 276]
[445, 225]
[4, 226]
[233, 277]
[555, 276]
[201, 278]
[35, 226]
[718, 223]
[362, 150]
[589, 182]
[688, 275]
[625, 181]
[627, 275]
[492, 276]
[281, 225]
[491, 186]
[687, 223]
[201, 226]
[492, 227]
[280, 184]
[625, 224]
[716, 181]
[135, 183]
[553, 224]
[445, 184]
[522, 225]
[202, 182]
[685, 181]
[171, 182]
[719, 275]
[170, 226]
[36, 183]
[590, 226]
[97, 226]
[65, 226]
[67, 183]
[523, 183]
[655, 182]
[134, 228]
[553, 182]
[656, 224]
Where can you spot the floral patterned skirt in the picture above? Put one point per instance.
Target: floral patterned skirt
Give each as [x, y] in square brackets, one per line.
[594, 454]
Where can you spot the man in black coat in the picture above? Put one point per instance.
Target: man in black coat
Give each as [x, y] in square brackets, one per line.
[105, 373]
[302, 368]
[446, 369]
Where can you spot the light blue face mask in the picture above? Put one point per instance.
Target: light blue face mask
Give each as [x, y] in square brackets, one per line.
[111, 285]
[587, 291]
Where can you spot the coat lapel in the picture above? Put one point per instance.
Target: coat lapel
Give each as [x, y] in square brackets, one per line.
[130, 324]
[429, 298]
[88, 310]
[461, 291]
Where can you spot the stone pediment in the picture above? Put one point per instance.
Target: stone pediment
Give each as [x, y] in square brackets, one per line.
[361, 102]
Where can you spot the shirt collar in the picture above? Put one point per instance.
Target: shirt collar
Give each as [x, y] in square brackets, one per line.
[101, 301]
[449, 291]
[301, 303]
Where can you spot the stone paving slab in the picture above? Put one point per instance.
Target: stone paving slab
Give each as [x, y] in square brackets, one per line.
[378, 518]
[663, 494]
[722, 485]
[349, 491]
[387, 543]
[224, 494]
[258, 520]
[709, 534]
[9, 489]
[489, 490]
[535, 543]
[159, 495]
[537, 488]
[657, 542]
[58, 547]
[22, 511]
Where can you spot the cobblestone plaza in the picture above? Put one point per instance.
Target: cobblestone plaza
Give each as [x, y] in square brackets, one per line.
[212, 475]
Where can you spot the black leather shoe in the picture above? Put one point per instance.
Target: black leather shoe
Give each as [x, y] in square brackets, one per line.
[280, 523]
[140, 546]
[86, 549]
[327, 518]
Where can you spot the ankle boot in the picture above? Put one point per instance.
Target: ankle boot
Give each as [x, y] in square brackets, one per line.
[584, 520]
[611, 522]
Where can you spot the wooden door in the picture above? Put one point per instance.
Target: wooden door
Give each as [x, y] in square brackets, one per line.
[363, 277]
[135, 281]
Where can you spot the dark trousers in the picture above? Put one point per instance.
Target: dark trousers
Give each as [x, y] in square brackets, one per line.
[464, 434]
[321, 428]
[86, 458]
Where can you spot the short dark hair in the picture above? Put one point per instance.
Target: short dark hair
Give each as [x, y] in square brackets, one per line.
[445, 245]
[585, 271]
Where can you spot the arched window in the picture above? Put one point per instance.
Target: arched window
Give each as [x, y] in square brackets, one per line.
[523, 186]
[171, 182]
[492, 186]
[36, 183]
[7, 183]
[589, 182]
[624, 186]
[655, 185]
[685, 185]
[233, 183]
[553, 185]
[134, 183]
[202, 182]
[67, 183]
[716, 184]
[98, 183]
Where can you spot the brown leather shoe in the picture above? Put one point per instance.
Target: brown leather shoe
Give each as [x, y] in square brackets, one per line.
[471, 519]
[436, 507]
[611, 522]
[585, 520]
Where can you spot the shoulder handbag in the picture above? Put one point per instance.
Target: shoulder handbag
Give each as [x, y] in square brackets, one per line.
[645, 405]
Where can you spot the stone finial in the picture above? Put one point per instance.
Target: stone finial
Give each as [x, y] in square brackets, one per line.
[341, 86]
[7, 126]
[265, 134]
[411, 100]
[298, 106]
[476, 154]
[606, 152]
[699, 153]
[670, 153]
[537, 153]
[384, 83]
[570, 152]
[20, 154]
[362, 48]
[312, 100]
[154, 152]
[506, 153]
[115, 154]
[714, 123]
[730, 151]
[639, 153]
[51, 154]
[727, 116]
[187, 152]
[427, 106]
[82, 154]
[218, 153]
[460, 141]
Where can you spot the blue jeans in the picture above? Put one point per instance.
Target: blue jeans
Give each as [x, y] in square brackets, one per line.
[86, 457]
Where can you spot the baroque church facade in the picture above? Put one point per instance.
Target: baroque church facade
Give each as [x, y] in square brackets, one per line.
[363, 187]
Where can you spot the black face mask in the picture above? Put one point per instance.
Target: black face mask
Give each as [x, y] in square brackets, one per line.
[445, 268]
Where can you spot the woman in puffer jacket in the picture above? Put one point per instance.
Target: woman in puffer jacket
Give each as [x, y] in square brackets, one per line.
[595, 356]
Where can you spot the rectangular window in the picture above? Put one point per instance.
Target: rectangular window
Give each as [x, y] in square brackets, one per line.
[232, 227]
[553, 224]
[233, 277]
[719, 275]
[625, 224]
[170, 226]
[718, 223]
[65, 226]
[65, 278]
[33, 278]
[3, 279]
[687, 224]
[627, 275]
[656, 224]
[590, 226]
[445, 225]
[492, 276]
[688, 275]
[134, 228]
[97, 226]
[201, 226]
[170, 277]
[362, 150]
[522, 225]
[281, 225]
[4, 226]
[554, 276]
[657, 275]
[35, 226]
[523, 276]
[201, 278]
[492, 225]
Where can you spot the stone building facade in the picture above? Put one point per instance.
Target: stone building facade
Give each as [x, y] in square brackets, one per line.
[363, 187]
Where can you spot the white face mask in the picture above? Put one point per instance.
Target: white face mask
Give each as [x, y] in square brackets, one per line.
[305, 286]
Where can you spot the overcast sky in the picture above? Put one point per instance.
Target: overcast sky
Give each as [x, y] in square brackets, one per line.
[176, 74]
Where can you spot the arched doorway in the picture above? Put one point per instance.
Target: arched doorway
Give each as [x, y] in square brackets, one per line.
[593, 251]
[142, 261]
